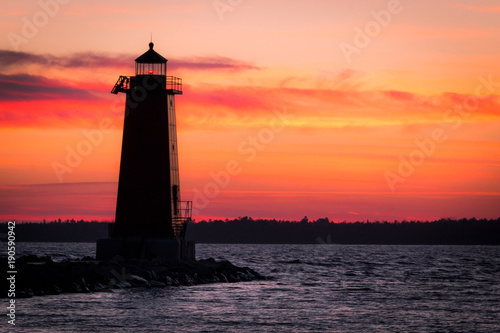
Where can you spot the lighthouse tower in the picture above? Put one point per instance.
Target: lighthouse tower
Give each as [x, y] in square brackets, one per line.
[150, 218]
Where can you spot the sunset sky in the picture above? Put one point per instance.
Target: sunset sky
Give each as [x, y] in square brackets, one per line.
[351, 110]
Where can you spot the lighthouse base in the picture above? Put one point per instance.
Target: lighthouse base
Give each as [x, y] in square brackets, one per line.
[169, 249]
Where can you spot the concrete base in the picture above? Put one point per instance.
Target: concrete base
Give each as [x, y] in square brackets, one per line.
[170, 249]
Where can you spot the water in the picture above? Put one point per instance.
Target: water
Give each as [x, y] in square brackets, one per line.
[318, 288]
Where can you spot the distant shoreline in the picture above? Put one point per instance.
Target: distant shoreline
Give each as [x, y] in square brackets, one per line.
[245, 230]
[227, 243]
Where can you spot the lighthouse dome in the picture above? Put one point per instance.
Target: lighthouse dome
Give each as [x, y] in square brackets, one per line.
[151, 63]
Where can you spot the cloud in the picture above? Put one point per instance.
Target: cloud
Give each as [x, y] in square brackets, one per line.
[212, 63]
[73, 200]
[237, 98]
[342, 104]
[400, 95]
[250, 106]
[31, 100]
[11, 59]
[479, 8]
[32, 87]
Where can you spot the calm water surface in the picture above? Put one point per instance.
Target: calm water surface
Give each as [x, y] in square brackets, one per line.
[317, 288]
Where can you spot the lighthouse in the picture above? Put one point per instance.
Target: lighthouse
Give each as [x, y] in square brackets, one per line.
[150, 218]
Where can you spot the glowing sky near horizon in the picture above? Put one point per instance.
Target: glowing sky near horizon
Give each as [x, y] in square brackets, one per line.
[351, 110]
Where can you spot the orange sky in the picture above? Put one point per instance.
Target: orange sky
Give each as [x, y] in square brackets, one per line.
[353, 110]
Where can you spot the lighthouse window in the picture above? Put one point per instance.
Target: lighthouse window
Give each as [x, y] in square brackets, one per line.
[150, 69]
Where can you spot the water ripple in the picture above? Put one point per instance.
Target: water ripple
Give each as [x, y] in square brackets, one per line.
[322, 288]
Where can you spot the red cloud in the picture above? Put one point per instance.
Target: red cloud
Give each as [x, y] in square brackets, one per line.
[400, 95]
[39, 98]
[73, 200]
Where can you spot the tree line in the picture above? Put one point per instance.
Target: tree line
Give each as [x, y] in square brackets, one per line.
[245, 230]
[444, 231]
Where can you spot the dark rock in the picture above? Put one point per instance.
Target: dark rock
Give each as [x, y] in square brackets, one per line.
[25, 293]
[156, 284]
[99, 287]
[137, 280]
[186, 280]
[120, 284]
[233, 278]
[38, 276]
[54, 290]
[169, 281]
[33, 258]
[222, 277]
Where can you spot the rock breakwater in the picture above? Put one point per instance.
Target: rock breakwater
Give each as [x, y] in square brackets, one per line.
[38, 276]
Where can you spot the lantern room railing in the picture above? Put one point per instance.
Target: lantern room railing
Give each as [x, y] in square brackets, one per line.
[172, 84]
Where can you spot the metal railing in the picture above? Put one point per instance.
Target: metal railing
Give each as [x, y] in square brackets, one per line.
[174, 84]
[179, 224]
[122, 85]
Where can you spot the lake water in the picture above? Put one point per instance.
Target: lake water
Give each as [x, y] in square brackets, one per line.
[317, 288]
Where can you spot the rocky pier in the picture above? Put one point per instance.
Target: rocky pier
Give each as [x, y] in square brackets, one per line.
[38, 276]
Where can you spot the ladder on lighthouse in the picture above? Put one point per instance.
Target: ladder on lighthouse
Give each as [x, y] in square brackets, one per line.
[179, 223]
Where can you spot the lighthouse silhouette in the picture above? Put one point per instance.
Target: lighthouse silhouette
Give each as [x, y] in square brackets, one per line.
[150, 219]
